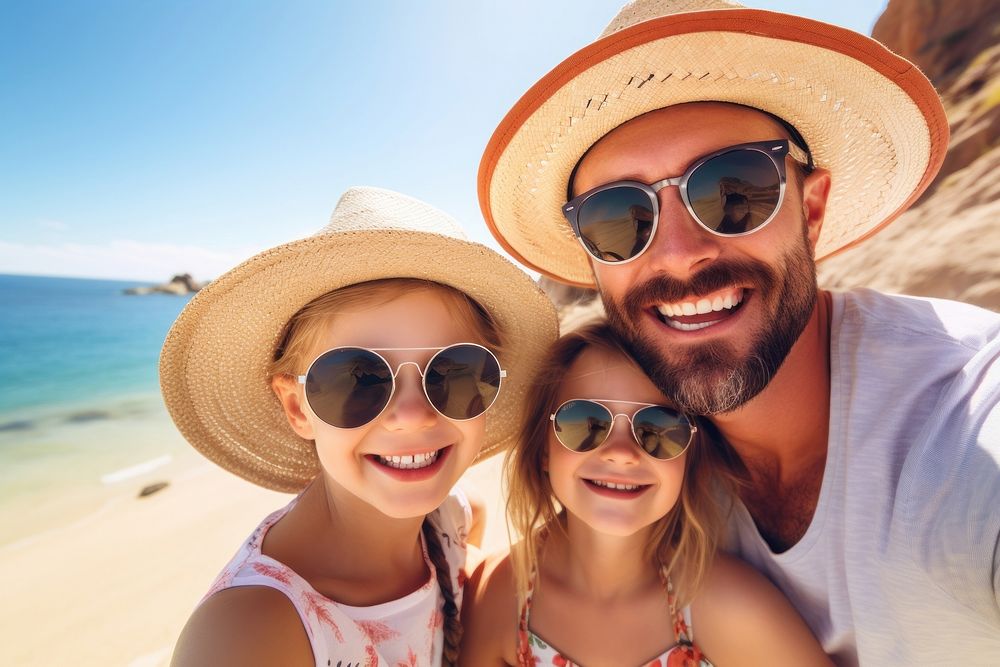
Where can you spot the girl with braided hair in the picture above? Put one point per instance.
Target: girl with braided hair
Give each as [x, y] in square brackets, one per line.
[364, 368]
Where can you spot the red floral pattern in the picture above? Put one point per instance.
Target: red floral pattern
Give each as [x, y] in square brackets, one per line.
[682, 654]
[370, 642]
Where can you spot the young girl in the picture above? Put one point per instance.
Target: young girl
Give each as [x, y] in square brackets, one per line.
[365, 367]
[612, 491]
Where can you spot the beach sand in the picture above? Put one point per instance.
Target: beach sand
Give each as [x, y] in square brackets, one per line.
[116, 587]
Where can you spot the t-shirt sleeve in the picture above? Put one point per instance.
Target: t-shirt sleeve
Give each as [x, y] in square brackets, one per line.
[953, 499]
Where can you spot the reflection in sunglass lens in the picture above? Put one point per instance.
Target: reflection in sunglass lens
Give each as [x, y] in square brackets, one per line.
[582, 425]
[662, 432]
[348, 387]
[735, 192]
[462, 381]
[615, 224]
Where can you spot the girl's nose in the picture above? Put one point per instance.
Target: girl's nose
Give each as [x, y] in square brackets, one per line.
[409, 408]
[620, 447]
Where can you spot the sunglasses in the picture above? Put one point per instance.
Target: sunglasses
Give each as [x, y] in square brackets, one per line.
[731, 192]
[583, 424]
[348, 387]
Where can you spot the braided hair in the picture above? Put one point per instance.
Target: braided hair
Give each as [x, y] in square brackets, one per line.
[452, 621]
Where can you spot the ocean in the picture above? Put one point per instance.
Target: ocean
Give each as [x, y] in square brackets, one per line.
[81, 420]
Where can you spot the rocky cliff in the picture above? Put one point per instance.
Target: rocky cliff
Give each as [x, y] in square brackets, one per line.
[948, 245]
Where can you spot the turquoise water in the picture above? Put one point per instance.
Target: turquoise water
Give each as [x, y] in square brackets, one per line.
[68, 341]
[79, 397]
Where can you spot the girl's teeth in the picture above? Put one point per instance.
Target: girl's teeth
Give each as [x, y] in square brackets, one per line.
[615, 486]
[409, 462]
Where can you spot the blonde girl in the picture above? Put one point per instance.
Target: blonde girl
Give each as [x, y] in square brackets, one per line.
[614, 494]
[364, 368]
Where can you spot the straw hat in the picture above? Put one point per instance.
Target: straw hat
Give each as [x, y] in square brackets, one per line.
[869, 116]
[213, 367]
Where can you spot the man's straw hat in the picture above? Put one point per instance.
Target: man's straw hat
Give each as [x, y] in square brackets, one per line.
[868, 116]
[214, 363]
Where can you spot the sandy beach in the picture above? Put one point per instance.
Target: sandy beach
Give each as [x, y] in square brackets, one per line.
[116, 587]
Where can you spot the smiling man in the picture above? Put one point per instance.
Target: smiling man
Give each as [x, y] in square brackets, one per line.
[693, 164]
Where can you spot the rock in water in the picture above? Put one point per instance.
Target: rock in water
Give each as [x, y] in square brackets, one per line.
[180, 285]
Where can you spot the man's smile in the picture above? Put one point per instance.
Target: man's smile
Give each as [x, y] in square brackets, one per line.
[700, 312]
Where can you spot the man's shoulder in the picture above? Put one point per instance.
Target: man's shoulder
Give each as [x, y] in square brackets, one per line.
[932, 321]
[882, 341]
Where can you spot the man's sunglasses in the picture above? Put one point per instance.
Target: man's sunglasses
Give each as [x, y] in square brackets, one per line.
[583, 424]
[731, 192]
[348, 387]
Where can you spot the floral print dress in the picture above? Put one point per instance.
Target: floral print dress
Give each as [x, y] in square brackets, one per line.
[407, 632]
[534, 651]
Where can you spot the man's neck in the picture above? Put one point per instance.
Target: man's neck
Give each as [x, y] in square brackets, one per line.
[781, 435]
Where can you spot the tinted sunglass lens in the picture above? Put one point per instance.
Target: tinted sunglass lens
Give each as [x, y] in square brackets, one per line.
[348, 387]
[462, 381]
[735, 192]
[615, 224]
[662, 432]
[582, 425]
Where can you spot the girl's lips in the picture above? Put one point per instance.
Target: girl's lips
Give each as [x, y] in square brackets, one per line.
[411, 474]
[601, 488]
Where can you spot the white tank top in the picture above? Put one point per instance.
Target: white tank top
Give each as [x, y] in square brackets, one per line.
[407, 631]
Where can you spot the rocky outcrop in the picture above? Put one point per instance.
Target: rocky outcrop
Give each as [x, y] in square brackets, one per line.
[948, 245]
[180, 285]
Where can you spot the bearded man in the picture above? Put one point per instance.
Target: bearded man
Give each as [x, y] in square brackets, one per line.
[867, 423]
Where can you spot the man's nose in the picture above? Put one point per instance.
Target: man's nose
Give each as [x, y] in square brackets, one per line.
[681, 247]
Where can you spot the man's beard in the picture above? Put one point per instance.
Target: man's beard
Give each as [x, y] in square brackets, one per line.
[712, 378]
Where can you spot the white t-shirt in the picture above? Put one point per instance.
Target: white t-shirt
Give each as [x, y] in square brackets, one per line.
[407, 631]
[901, 562]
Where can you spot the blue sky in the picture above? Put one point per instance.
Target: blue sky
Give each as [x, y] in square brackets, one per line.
[141, 139]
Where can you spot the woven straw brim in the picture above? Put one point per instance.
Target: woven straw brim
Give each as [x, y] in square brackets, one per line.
[869, 116]
[214, 363]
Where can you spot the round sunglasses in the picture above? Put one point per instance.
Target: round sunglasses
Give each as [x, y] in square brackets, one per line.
[584, 424]
[348, 387]
[731, 192]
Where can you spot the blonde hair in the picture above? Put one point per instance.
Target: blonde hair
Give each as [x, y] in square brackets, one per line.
[684, 541]
[309, 324]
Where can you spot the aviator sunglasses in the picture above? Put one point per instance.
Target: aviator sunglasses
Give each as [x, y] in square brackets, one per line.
[348, 387]
[731, 192]
[583, 424]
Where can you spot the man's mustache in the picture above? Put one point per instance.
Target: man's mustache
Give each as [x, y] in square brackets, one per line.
[719, 275]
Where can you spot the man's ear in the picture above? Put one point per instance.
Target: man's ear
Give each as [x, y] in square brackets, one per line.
[289, 393]
[815, 193]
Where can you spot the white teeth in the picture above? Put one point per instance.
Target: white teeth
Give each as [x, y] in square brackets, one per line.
[615, 486]
[409, 462]
[680, 326]
[701, 306]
